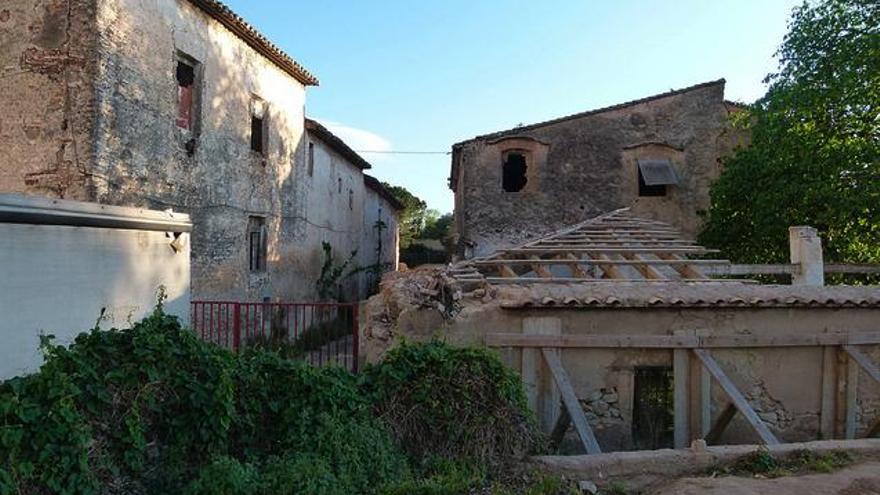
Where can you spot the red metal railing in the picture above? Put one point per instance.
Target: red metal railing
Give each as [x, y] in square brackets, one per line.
[320, 333]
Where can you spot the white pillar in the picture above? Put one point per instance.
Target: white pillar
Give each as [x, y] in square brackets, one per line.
[806, 252]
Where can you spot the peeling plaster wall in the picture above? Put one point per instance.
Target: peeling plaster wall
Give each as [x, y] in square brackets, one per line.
[47, 68]
[333, 204]
[782, 385]
[586, 166]
[141, 156]
[377, 209]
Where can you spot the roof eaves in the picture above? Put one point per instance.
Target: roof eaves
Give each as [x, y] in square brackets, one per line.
[256, 40]
[336, 143]
[374, 184]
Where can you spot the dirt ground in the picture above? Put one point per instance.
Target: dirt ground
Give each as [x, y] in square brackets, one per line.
[859, 479]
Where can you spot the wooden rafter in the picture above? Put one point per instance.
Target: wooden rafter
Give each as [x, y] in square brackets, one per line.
[607, 244]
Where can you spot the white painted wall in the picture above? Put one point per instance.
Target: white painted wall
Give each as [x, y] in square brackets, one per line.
[376, 208]
[55, 279]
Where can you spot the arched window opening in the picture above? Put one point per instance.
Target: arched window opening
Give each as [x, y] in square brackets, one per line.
[514, 171]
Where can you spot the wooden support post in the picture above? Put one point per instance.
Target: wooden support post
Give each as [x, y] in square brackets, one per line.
[716, 430]
[541, 391]
[852, 396]
[829, 392]
[572, 405]
[738, 400]
[681, 397]
[705, 402]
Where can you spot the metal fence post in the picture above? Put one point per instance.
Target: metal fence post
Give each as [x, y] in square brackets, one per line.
[236, 326]
[355, 352]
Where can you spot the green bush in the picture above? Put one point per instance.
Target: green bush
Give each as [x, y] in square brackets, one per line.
[457, 403]
[154, 410]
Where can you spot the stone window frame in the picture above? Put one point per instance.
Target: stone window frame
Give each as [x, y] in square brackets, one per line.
[259, 109]
[535, 151]
[529, 162]
[652, 150]
[193, 129]
[258, 244]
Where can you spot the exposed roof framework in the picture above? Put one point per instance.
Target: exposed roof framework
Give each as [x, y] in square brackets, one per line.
[615, 247]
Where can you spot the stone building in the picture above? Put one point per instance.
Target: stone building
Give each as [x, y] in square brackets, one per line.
[209, 121]
[657, 155]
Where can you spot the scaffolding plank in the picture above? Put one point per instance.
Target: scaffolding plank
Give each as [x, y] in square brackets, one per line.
[578, 418]
[736, 396]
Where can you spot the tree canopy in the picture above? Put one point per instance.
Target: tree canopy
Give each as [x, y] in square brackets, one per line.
[413, 216]
[815, 143]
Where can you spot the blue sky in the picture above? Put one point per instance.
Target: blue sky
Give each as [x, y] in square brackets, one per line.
[421, 75]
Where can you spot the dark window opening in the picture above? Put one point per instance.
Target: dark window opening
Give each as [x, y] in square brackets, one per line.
[257, 134]
[339, 186]
[311, 159]
[257, 244]
[514, 172]
[653, 420]
[350, 199]
[186, 81]
[650, 190]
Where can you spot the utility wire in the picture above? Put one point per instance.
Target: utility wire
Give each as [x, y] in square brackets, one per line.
[406, 152]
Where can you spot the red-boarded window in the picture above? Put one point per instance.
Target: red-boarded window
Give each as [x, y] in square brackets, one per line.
[186, 79]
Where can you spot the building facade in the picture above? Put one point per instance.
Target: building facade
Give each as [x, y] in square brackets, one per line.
[208, 121]
[657, 155]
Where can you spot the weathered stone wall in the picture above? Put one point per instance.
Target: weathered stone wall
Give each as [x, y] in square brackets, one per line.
[47, 66]
[586, 165]
[143, 158]
[784, 385]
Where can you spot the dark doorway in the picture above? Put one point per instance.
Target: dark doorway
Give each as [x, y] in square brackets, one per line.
[652, 425]
[514, 172]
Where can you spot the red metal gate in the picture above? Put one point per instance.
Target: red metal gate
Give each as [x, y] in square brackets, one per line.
[320, 333]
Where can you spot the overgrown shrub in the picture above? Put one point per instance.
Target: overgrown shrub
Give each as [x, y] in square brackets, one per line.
[154, 410]
[457, 403]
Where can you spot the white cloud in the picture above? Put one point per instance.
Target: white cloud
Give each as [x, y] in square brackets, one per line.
[358, 139]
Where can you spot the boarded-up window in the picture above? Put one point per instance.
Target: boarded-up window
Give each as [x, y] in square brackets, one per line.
[186, 92]
[257, 244]
[654, 176]
[513, 178]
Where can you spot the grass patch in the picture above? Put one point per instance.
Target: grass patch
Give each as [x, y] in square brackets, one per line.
[761, 463]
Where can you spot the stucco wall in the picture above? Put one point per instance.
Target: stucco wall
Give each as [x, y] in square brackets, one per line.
[333, 198]
[47, 66]
[583, 166]
[380, 245]
[57, 279]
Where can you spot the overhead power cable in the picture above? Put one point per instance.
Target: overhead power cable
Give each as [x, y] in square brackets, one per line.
[389, 152]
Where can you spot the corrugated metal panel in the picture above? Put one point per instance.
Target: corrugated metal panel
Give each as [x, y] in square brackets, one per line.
[658, 172]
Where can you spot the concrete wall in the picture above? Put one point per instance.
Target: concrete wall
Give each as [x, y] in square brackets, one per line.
[47, 68]
[57, 280]
[583, 166]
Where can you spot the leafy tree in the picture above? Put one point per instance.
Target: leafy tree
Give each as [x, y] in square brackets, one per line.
[413, 216]
[813, 158]
[437, 226]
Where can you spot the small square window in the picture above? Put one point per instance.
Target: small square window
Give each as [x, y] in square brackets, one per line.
[257, 244]
[654, 176]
